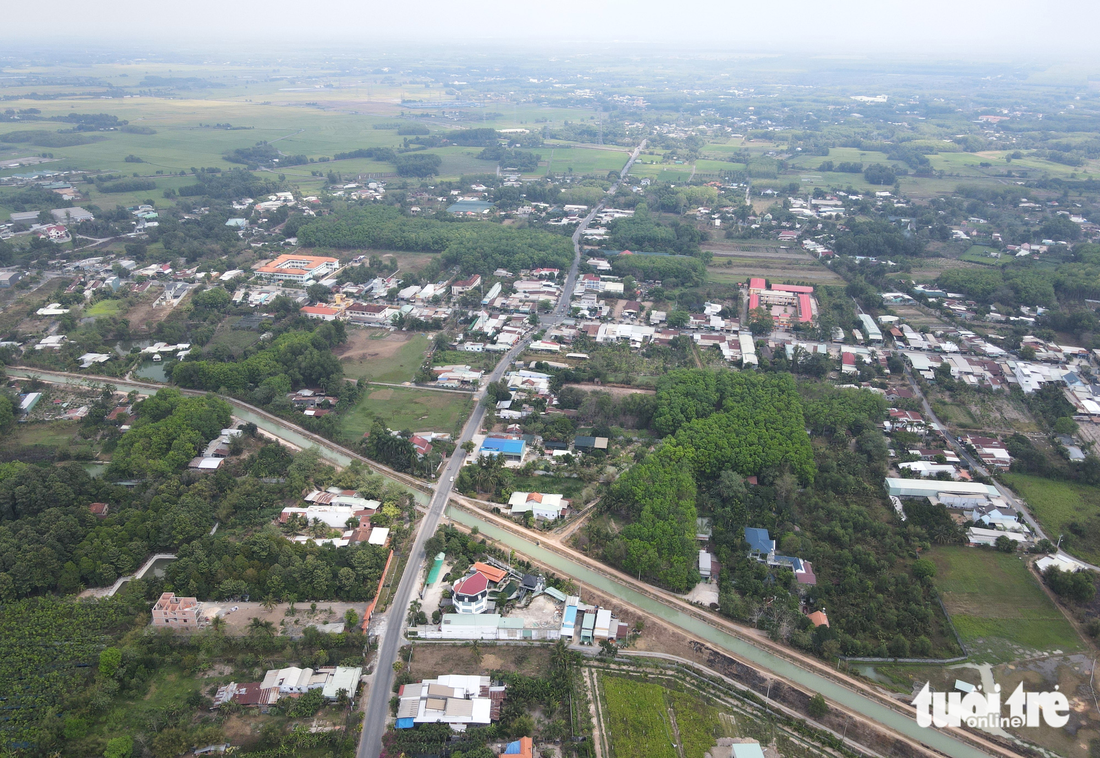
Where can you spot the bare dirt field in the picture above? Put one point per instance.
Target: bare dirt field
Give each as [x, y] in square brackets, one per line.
[371, 343]
[436, 659]
[382, 355]
[143, 317]
[613, 390]
[237, 621]
[917, 317]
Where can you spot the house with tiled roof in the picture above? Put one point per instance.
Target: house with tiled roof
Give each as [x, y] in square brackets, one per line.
[471, 594]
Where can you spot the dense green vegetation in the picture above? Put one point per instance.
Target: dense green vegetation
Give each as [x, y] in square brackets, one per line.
[641, 232]
[266, 565]
[716, 424]
[672, 272]
[49, 650]
[475, 247]
[170, 430]
[293, 360]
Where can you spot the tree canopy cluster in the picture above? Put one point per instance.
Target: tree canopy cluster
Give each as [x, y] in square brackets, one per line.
[266, 564]
[672, 272]
[642, 232]
[169, 432]
[293, 360]
[476, 247]
[715, 424]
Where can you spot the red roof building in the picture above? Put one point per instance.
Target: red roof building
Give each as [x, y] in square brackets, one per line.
[794, 288]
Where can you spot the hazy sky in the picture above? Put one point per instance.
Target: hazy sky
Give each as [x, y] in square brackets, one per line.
[1006, 30]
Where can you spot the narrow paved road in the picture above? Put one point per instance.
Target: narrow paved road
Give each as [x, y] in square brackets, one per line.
[376, 714]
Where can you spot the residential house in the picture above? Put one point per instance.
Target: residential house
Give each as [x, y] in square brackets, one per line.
[540, 505]
[471, 594]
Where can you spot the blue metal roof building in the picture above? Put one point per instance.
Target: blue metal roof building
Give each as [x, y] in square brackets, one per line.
[510, 449]
[760, 542]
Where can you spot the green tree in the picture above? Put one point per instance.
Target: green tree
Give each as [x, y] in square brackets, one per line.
[109, 661]
[923, 568]
[818, 707]
[119, 747]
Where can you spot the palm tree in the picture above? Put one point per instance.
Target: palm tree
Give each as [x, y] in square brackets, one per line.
[414, 612]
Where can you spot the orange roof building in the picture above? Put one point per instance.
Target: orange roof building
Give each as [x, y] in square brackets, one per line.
[299, 268]
[492, 573]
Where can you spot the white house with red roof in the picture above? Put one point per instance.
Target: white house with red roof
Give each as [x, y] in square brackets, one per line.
[471, 594]
[422, 445]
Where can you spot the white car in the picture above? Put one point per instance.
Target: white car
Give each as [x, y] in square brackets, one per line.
[452, 478]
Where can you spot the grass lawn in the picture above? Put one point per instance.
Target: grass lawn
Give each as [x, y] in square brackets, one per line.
[234, 339]
[105, 308]
[1064, 508]
[559, 159]
[50, 433]
[997, 605]
[413, 409]
[645, 719]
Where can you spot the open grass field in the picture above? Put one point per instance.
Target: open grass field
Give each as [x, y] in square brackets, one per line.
[1064, 508]
[476, 361]
[649, 719]
[997, 605]
[956, 414]
[565, 159]
[665, 172]
[237, 340]
[50, 434]
[981, 254]
[105, 308]
[380, 355]
[413, 409]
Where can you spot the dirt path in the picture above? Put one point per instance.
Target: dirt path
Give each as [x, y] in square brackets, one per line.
[675, 730]
[594, 710]
[615, 390]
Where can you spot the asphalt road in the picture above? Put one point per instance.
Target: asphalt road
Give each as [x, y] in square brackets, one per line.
[376, 715]
[377, 711]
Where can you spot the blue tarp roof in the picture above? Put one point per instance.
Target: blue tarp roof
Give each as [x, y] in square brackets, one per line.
[508, 447]
[404, 724]
[759, 540]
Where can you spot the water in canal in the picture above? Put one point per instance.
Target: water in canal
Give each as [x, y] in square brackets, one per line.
[741, 648]
[154, 372]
